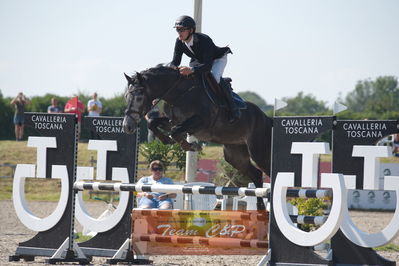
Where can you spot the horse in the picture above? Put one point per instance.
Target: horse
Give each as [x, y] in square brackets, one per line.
[190, 110]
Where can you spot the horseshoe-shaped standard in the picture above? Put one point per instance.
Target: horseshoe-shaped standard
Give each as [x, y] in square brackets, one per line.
[360, 238]
[21, 207]
[109, 222]
[328, 229]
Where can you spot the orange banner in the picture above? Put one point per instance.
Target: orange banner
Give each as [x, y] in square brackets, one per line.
[176, 232]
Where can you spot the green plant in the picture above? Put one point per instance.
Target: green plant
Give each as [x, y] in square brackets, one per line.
[178, 155]
[310, 207]
[79, 237]
[167, 154]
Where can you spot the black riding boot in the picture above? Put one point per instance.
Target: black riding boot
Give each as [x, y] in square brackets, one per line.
[234, 111]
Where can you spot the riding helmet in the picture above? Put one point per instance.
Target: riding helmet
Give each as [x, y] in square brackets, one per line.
[185, 21]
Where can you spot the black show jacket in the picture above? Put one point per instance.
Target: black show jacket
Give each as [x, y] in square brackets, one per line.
[205, 51]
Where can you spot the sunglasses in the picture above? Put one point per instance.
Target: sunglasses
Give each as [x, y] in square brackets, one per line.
[157, 169]
[181, 29]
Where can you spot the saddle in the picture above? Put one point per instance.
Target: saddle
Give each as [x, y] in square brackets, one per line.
[215, 94]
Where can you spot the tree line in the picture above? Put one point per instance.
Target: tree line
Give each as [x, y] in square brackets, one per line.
[370, 99]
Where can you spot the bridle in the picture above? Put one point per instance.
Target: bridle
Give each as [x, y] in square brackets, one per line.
[130, 113]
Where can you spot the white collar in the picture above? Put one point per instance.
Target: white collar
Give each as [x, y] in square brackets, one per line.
[190, 43]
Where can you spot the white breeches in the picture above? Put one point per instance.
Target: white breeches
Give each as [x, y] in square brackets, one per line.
[218, 67]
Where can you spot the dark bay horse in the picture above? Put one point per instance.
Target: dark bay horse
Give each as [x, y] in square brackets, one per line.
[190, 110]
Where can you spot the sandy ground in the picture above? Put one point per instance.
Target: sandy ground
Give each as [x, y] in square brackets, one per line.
[12, 232]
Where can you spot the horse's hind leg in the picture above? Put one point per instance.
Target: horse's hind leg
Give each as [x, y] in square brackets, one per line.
[259, 141]
[260, 152]
[237, 155]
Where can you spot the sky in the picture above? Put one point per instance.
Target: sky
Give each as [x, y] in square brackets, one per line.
[280, 48]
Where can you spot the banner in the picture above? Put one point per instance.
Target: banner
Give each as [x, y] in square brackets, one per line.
[175, 232]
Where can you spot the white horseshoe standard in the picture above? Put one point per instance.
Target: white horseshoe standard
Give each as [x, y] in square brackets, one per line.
[109, 222]
[360, 238]
[21, 207]
[328, 229]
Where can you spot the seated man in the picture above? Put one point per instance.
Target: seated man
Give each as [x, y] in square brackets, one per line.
[149, 200]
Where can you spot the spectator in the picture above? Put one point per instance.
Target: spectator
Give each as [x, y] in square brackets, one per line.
[74, 106]
[19, 120]
[94, 106]
[54, 108]
[152, 114]
[149, 200]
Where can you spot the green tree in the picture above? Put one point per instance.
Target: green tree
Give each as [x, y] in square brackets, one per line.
[255, 99]
[40, 103]
[376, 97]
[114, 106]
[357, 100]
[305, 105]
[6, 118]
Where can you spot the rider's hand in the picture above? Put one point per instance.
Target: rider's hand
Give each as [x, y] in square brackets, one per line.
[185, 71]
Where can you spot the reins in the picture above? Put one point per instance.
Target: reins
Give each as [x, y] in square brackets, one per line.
[166, 93]
[129, 111]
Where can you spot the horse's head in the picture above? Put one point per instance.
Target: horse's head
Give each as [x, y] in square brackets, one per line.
[138, 102]
[154, 83]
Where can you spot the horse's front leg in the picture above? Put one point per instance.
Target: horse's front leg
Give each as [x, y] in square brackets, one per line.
[178, 133]
[160, 123]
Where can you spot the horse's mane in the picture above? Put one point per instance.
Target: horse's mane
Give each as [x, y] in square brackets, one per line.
[158, 69]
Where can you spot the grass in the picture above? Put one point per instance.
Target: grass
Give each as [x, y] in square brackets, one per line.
[213, 152]
[388, 247]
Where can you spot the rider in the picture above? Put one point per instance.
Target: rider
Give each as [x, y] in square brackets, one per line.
[205, 56]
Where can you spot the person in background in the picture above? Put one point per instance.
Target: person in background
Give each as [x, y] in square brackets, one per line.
[152, 114]
[19, 101]
[75, 106]
[54, 108]
[94, 106]
[149, 200]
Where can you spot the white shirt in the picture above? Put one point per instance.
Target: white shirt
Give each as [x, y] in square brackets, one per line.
[190, 43]
[97, 110]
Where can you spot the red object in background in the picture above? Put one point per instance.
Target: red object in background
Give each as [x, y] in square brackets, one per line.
[206, 170]
[74, 102]
[325, 167]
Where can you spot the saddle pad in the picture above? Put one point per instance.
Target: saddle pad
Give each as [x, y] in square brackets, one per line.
[216, 100]
[239, 101]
